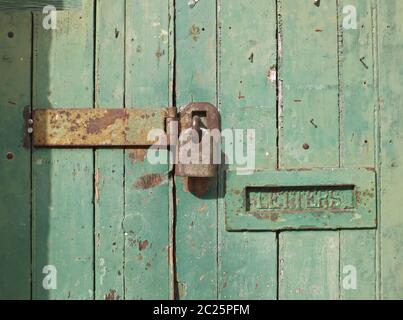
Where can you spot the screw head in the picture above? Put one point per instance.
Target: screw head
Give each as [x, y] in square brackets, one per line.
[30, 130]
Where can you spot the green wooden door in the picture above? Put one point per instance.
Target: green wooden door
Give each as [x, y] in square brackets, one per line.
[314, 214]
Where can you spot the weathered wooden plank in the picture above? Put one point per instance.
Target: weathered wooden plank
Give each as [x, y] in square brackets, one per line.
[247, 100]
[357, 85]
[196, 231]
[109, 164]
[357, 264]
[39, 4]
[357, 135]
[247, 265]
[63, 179]
[15, 213]
[308, 265]
[309, 137]
[146, 223]
[391, 151]
[309, 126]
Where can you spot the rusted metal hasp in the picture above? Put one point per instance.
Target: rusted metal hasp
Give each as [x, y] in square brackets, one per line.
[97, 127]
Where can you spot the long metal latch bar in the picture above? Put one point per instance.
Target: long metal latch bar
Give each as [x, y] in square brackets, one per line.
[86, 128]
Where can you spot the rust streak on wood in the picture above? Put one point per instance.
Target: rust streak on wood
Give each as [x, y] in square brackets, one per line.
[149, 181]
[111, 295]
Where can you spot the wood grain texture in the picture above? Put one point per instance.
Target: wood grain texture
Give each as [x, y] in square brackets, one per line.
[357, 101]
[109, 164]
[309, 137]
[308, 265]
[357, 86]
[15, 215]
[146, 222]
[63, 179]
[247, 261]
[358, 251]
[196, 231]
[104, 218]
[391, 152]
[309, 126]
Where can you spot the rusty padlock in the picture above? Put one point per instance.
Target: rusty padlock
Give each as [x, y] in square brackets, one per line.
[199, 146]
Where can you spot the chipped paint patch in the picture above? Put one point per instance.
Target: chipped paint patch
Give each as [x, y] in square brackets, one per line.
[97, 179]
[272, 75]
[112, 295]
[203, 209]
[194, 32]
[192, 3]
[164, 36]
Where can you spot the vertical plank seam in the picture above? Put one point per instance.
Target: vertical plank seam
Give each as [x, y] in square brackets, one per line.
[124, 151]
[172, 207]
[217, 186]
[33, 192]
[30, 164]
[375, 95]
[279, 120]
[221, 173]
[340, 97]
[94, 155]
[340, 265]
[217, 33]
[378, 146]
[278, 266]
[340, 63]
[279, 81]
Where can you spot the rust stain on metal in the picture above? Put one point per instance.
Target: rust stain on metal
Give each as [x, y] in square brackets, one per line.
[274, 217]
[137, 155]
[358, 197]
[149, 181]
[98, 124]
[96, 127]
[196, 186]
[112, 295]
[210, 119]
